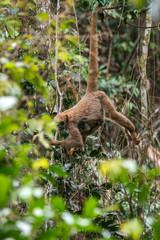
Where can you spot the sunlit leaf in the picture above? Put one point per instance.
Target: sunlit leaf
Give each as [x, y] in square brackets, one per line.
[89, 210]
[68, 218]
[6, 2]
[112, 168]
[58, 204]
[138, 3]
[41, 163]
[58, 170]
[63, 56]
[130, 165]
[25, 192]
[8, 125]
[7, 102]
[132, 229]
[72, 39]
[83, 222]
[118, 169]
[38, 192]
[43, 16]
[38, 212]
[24, 227]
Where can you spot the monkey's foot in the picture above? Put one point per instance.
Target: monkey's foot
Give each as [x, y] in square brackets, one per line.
[71, 151]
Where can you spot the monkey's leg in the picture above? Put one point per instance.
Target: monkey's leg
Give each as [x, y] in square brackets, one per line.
[75, 140]
[119, 118]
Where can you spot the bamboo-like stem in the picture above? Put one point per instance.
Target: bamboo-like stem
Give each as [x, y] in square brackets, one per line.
[56, 57]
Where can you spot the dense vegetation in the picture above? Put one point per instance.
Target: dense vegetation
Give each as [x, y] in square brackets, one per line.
[109, 190]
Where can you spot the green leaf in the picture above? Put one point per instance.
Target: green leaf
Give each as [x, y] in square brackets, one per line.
[153, 173]
[58, 170]
[156, 228]
[6, 2]
[43, 16]
[2, 153]
[7, 126]
[58, 204]
[47, 177]
[5, 185]
[138, 4]
[143, 193]
[48, 234]
[89, 210]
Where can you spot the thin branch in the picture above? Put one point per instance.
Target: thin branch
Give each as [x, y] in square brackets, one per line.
[129, 199]
[121, 14]
[56, 56]
[133, 25]
[108, 8]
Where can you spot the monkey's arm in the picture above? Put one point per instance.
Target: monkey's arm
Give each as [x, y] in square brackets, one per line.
[75, 140]
[119, 118]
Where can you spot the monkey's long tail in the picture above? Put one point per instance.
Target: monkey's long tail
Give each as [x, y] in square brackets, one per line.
[93, 56]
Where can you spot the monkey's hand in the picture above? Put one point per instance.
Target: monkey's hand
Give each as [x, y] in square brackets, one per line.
[37, 135]
[135, 139]
[54, 142]
[75, 140]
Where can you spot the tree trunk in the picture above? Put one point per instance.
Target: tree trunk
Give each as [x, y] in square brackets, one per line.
[145, 18]
[146, 135]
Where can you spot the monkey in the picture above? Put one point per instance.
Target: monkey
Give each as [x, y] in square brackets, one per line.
[88, 114]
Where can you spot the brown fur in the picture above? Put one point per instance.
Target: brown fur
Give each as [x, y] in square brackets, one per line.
[89, 113]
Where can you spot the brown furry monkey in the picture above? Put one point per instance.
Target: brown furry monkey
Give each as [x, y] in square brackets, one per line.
[89, 113]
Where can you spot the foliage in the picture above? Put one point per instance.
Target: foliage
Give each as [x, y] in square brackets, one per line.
[46, 194]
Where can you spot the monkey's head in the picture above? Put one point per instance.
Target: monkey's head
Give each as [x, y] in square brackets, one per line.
[62, 121]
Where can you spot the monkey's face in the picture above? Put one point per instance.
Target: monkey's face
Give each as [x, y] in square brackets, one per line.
[61, 126]
[61, 121]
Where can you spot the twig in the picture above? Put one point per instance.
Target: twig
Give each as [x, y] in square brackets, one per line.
[131, 24]
[132, 53]
[129, 199]
[121, 15]
[108, 8]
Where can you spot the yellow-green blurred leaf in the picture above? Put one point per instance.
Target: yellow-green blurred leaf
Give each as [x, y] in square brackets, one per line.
[138, 3]
[41, 163]
[72, 39]
[43, 16]
[7, 126]
[6, 2]
[63, 56]
[132, 229]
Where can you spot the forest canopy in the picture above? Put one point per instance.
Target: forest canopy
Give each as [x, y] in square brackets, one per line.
[110, 188]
